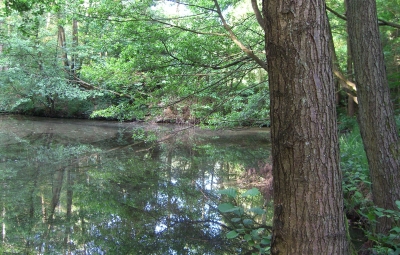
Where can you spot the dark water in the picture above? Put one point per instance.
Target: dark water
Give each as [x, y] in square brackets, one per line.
[95, 187]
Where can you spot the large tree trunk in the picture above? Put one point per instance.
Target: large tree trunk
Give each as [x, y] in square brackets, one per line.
[308, 199]
[376, 118]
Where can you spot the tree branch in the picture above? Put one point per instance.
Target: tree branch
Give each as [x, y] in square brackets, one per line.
[233, 37]
[89, 86]
[259, 17]
[388, 23]
[343, 17]
[185, 29]
[381, 22]
[214, 67]
[347, 85]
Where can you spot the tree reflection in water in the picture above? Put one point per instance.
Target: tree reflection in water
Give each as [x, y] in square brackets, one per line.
[69, 194]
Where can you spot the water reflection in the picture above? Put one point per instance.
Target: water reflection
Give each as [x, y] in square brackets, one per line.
[87, 187]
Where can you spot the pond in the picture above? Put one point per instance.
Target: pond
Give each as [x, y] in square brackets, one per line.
[102, 187]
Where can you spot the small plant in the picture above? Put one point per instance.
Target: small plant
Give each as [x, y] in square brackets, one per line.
[383, 244]
[247, 222]
[354, 164]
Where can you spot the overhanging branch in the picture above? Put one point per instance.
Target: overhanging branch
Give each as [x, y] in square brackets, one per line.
[233, 37]
[259, 17]
[381, 22]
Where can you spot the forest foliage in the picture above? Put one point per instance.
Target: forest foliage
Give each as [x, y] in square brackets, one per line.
[167, 61]
[158, 60]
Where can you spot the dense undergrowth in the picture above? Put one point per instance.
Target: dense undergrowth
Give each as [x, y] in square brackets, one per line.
[360, 209]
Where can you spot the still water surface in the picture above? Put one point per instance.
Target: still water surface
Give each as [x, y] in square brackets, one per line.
[95, 187]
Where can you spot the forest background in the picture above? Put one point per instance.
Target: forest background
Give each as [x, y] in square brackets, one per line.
[179, 62]
[136, 60]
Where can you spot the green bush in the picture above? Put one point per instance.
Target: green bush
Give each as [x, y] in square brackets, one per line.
[357, 192]
[383, 244]
[245, 220]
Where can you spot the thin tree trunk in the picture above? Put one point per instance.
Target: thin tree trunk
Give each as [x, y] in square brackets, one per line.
[63, 44]
[350, 98]
[341, 81]
[335, 65]
[75, 66]
[308, 198]
[2, 68]
[376, 117]
[349, 67]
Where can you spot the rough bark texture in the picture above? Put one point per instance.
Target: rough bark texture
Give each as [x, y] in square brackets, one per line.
[376, 118]
[308, 200]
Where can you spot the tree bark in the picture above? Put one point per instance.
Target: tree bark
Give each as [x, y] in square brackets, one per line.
[308, 199]
[350, 71]
[62, 45]
[376, 116]
[75, 65]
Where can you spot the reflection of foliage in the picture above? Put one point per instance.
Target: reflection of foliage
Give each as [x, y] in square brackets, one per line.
[247, 222]
[129, 198]
[140, 134]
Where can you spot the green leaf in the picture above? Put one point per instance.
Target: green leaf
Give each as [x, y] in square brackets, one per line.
[265, 241]
[257, 210]
[225, 207]
[398, 204]
[357, 194]
[232, 234]
[395, 229]
[231, 192]
[236, 219]
[251, 242]
[251, 193]
[247, 237]
[371, 216]
[255, 235]
[248, 222]
[238, 211]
